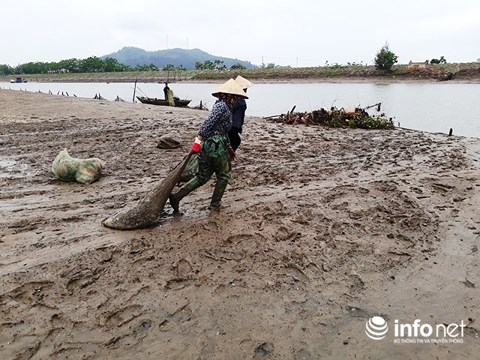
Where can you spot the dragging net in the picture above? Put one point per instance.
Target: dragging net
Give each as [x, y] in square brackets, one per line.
[148, 210]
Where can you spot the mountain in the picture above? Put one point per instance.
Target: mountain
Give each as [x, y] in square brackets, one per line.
[133, 56]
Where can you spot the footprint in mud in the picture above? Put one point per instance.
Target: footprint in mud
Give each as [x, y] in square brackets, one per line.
[29, 351]
[82, 279]
[357, 284]
[138, 333]
[283, 233]
[178, 283]
[27, 291]
[359, 313]
[296, 273]
[183, 268]
[211, 226]
[224, 255]
[123, 315]
[142, 329]
[107, 254]
[184, 277]
[303, 355]
[138, 246]
[181, 315]
[263, 351]
[235, 239]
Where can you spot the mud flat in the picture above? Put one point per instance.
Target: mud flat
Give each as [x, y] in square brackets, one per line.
[321, 230]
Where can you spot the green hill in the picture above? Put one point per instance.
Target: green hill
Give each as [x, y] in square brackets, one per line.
[133, 56]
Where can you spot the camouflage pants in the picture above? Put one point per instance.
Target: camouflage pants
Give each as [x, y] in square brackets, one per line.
[213, 158]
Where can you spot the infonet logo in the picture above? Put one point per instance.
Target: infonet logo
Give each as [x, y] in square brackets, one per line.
[376, 328]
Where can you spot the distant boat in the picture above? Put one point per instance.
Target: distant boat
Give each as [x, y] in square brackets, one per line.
[163, 102]
[18, 80]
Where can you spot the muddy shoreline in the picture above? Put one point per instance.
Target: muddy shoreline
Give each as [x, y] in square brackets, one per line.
[312, 80]
[321, 230]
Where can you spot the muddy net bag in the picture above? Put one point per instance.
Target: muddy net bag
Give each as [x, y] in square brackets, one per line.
[67, 168]
[147, 211]
[191, 169]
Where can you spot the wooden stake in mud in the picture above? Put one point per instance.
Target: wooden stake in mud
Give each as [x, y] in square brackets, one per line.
[275, 116]
[134, 90]
[378, 105]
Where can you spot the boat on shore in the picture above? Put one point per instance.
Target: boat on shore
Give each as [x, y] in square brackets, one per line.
[163, 102]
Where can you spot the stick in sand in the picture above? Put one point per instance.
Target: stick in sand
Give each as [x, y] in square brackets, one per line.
[148, 210]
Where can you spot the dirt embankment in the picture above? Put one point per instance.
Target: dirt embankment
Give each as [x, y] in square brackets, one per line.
[321, 229]
[468, 72]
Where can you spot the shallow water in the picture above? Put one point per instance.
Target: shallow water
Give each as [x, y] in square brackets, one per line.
[433, 107]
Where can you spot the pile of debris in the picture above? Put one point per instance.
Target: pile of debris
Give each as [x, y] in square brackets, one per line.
[334, 117]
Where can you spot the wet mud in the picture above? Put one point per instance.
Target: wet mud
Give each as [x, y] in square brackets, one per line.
[320, 230]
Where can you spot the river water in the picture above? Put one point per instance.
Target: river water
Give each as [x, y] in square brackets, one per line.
[433, 107]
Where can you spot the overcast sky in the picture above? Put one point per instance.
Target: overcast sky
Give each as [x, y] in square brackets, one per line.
[293, 32]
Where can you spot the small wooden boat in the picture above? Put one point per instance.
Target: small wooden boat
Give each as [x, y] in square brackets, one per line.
[18, 80]
[163, 102]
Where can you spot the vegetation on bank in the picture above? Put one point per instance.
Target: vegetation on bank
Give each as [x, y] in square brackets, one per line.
[385, 58]
[337, 118]
[110, 69]
[95, 64]
[464, 71]
[442, 71]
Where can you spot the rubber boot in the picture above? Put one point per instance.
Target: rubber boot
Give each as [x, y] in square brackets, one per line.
[175, 198]
[217, 196]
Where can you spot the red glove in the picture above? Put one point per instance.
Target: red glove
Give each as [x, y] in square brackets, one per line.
[196, 147]
[231, 152]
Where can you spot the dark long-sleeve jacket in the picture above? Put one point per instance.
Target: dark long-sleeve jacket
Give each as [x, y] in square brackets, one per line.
[218, 122]
[238, 113]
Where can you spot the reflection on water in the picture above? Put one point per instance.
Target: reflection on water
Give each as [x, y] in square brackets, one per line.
[434, 107]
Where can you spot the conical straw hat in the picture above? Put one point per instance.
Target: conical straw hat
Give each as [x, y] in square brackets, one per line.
[244, 83]
[230, 87]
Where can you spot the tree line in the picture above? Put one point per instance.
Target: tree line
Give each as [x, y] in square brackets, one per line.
[96, 64]
[384, 60]
[91, 64]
